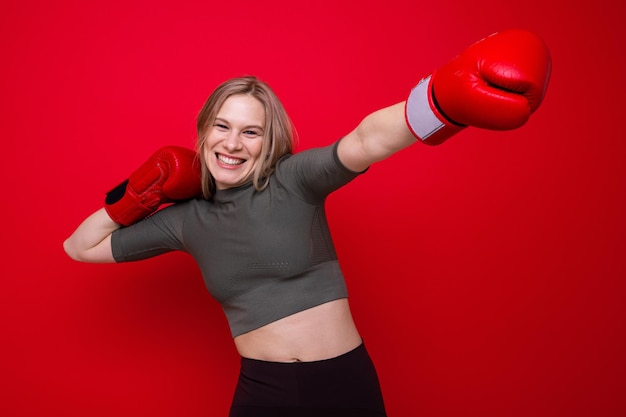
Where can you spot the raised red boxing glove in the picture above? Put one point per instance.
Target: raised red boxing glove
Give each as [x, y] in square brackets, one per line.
[496, 83]
[171, 174]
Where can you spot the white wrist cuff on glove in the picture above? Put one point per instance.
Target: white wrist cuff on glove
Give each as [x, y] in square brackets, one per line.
[419, 116]
[423, 118]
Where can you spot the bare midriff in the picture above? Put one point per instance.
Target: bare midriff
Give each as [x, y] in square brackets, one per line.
[318, 333]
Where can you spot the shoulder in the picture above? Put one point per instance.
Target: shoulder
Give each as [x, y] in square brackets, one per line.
[314, 172]
[323, 158]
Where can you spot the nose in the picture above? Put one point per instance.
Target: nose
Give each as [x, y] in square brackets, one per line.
[233, 142]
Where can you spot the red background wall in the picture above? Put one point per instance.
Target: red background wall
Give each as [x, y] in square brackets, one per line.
[486, 274]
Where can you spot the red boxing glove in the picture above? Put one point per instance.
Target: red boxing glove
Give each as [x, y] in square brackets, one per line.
[171, 174]
[497, 83]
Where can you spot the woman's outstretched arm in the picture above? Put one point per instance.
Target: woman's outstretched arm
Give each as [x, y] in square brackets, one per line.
[496, 84]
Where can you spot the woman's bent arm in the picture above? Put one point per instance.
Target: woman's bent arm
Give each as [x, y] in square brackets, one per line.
[91, 241]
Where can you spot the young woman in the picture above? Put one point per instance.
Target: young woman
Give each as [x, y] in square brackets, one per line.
[251, 214]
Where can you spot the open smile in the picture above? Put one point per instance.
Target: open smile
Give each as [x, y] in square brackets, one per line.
[229, 160]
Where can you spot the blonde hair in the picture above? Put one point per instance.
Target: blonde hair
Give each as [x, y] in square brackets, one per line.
[279, 134]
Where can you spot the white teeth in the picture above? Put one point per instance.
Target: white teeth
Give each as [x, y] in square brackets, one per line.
[229, 161]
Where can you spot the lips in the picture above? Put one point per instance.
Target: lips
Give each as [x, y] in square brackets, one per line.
[229, 160]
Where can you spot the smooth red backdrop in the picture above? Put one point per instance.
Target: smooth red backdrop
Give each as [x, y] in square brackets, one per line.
[486, 274]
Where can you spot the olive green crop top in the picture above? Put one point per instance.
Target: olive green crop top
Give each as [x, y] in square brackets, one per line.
[263, 255]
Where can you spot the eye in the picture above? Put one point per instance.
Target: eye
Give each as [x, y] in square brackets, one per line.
[251, 133]
[220, 126]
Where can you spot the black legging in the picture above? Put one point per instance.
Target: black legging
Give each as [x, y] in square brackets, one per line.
[345, 386]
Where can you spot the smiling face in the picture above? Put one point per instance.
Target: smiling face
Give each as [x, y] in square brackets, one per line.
[232, 149]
